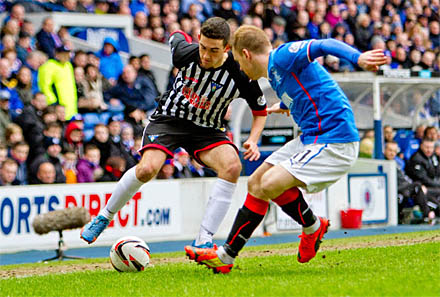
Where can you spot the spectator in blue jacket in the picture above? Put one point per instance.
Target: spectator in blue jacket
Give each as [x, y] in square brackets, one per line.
[111, 63]
[133, 90]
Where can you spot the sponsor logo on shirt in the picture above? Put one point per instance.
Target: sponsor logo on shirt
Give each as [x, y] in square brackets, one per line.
[195, 99]
[191, 79]
[296, 46]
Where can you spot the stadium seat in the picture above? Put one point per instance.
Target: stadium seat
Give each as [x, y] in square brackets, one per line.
[90, 120]
[412, 147]
[104, 117]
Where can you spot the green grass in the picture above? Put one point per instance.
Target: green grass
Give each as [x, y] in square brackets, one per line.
[405, 270]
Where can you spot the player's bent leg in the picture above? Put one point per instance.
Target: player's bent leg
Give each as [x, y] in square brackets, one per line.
[282, 184]
[151, 162]
[277, 180]
[225, 161]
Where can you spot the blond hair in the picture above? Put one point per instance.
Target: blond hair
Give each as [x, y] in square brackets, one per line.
[251, 38]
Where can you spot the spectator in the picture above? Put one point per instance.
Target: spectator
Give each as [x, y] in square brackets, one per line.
[224, 11]
[94, 86]
[14, 62]
[428, 59]
[3, 153]
[46, 173]
[19, 153]
[407, 188]
[34, 60]
[47, 39]
[88, 169]
[415, 60]
[25, 89]
[135, 117]
[114, 128]
[56, 80]
[52, 155]
[434, 34]
[127, 149]
[140, 22]
[69, 167]
[102, 6]
[8, 172]
[113, 170]
[80, 59]
[135, 62]
[13, 134]
[102, 141]
[401, 59]
[7, 83]
[110, 62]
[50, 115]
[199, 170]
[73, 139]
[363, 32]
[31, 122]
[5, 118]
[182, 164]
[388, 133]
[23, 46]
[198, 9]
[132, 90]
[424, 167]
[17, 13]
[366, 148]
[167, 170]
[431, 133]
[145, 70]
[53, 130]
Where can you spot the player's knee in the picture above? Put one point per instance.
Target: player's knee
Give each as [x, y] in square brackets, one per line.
[253, 184]
[233, 169]
[146, 171]
[268, 185]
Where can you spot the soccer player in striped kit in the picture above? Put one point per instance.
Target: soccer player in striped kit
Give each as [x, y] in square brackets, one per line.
[323, 153]
[190, 115]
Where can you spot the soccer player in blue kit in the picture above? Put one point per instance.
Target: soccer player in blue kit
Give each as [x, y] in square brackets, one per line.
[323, 153]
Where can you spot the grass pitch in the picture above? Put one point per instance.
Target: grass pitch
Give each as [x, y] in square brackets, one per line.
[389, 265]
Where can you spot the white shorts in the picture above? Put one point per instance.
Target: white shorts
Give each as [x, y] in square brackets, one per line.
[317, 165]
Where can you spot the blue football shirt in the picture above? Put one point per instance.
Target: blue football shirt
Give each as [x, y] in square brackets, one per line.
[318, 105]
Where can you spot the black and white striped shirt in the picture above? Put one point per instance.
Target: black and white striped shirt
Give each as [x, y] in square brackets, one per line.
[202, 96]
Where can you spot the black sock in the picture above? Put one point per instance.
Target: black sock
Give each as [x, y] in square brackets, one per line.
[245, 223]
[300, 211]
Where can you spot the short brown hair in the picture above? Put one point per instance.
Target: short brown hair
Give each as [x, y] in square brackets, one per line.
[216, 28]
[251, 38]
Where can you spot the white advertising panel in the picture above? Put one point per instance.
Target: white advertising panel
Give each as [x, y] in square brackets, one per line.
[154, 211]
[317, 202]
[369, 193]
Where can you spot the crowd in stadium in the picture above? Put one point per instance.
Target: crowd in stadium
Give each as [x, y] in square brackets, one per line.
[85, 125]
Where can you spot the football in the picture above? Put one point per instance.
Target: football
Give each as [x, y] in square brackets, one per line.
[130, 254]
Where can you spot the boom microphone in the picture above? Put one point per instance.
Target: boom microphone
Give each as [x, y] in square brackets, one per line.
[58, 220]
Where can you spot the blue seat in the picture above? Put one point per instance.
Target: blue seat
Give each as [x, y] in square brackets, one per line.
[412, 147]
[104, 117]
[90, 120]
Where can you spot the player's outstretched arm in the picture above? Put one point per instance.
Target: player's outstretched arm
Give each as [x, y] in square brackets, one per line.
[252, 152]
[371, 60]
